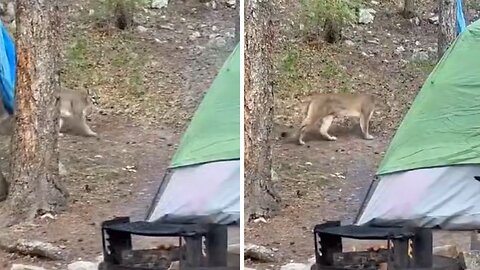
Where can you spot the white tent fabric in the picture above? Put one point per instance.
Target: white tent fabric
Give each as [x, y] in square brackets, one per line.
[208, 192]
[442, 197]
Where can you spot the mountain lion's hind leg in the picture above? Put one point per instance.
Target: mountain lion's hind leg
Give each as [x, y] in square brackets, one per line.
[326, 123]
[365, 124]
[86, 129]
[307, 125]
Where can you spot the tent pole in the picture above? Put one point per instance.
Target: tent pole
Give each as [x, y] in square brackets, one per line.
[364, 202]
[155, 198]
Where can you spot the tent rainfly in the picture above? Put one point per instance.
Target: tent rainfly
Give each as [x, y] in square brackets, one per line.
[427, 177]
[203, 181]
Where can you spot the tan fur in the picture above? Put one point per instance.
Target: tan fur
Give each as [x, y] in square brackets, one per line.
[324, 108]
[74, 108]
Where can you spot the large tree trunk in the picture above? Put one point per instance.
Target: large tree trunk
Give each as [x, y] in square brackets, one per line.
[260, 197]
[237, 22]
[447, 25]
[409, 10]
[34, 180]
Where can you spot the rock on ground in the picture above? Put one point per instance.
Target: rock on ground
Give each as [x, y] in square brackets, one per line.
[32, 248]
[295, 266]
[349, 43]
[61, 169]
[83, 265]
[194, 35]
[420, 56]
[159, 3]
[471, 259]
[366, 15]
[433, 20]
[399, 50]
[258, 253]
[25, 267]
[141, 29]
[230, 3]
[218, 42]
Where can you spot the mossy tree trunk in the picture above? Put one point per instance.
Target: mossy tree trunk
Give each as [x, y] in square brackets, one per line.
[34, 180]
[260, 196]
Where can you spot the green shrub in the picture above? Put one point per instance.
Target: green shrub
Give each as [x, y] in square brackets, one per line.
[330, 14]
[108, 11]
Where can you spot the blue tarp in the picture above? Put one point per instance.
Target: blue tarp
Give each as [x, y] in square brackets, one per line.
[461, 24]
[8, 64]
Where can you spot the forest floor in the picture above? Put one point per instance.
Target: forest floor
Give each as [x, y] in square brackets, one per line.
[329, 180]
[149, 80]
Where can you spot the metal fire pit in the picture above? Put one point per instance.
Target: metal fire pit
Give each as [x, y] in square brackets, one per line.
[407, 249]
[119, 255]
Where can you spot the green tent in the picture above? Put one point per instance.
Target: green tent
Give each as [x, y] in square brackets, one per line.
[442, 126]
[214, 133]
[428, 177]
[204, 177]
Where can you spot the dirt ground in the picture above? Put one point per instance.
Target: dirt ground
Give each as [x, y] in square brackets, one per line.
[149, 81]
[329, 180]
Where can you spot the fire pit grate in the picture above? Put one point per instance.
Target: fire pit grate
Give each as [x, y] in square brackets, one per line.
[119, 255]
[363, 232]
[406, 249]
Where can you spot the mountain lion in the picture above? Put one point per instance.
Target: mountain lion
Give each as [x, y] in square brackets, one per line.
[325, 107]
[74, 108]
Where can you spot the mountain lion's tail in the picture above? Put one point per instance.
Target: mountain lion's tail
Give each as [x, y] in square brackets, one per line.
[294, 135]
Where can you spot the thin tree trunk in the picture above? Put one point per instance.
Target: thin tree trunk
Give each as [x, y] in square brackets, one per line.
[34, 180]
[333, 31]
[409, 10]
[447, 25]
[123, 14]
[260, 196]
[237, 22]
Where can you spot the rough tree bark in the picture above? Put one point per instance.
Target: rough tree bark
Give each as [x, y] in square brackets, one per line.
[447, 25]
[260, 196]
[237, 22]
[409, 10]
[34, 180]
